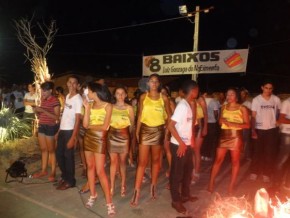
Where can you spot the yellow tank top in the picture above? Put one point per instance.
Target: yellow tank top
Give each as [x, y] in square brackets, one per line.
[153, 112]
[120, 118]
[199, 111]
[97, 116]
[235, 116]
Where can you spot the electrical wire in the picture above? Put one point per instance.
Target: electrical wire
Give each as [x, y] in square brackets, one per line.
[119, 28]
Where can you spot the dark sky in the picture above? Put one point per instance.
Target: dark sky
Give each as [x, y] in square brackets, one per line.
[264, 28]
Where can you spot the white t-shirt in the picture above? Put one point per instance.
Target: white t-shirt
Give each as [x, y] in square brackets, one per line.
[285, 109]
[267, 111]
[6, 99]
[30, 98]
[183, 118]
[72, 107]
[18, 99]
[178, 99]
[212, 105]
[247, 104]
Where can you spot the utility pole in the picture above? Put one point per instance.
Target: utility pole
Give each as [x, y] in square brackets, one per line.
[195, 37]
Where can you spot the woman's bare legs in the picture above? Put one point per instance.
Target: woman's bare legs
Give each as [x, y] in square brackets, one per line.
[220, 155]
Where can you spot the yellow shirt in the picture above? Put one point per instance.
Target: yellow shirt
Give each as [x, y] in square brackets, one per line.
[235, 116]
[97, 116]
[199, 111]
[120, 118]
[153, 112]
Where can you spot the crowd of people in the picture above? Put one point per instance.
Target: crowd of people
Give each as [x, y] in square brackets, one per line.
[193, 127]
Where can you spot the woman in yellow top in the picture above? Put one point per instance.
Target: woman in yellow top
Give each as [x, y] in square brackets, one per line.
[234, 117]
[200, 133]
[96, 121]
[150, 133]
[122, 123]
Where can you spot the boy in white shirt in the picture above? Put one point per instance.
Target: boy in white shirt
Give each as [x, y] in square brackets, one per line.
[67, 135]
[181, 127]
[265, 111]
[282, 165]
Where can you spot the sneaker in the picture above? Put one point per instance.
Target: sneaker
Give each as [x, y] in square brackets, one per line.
[253, 176]
[266, 179]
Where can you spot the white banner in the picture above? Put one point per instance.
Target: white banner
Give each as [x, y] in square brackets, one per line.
[200, 62]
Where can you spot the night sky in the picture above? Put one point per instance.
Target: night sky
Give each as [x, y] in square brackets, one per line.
[263, 27]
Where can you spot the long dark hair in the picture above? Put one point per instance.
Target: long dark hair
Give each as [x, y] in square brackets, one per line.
[99, 90]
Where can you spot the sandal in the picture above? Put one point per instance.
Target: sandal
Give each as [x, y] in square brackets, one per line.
[153, 192]
[91, 201]
[111, 209]
[135, 199]
[39, 174]
[123, 191]
[51, 179]
[85, 188]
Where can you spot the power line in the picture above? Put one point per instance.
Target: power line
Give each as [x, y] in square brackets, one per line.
[118, 28]
[270, 43]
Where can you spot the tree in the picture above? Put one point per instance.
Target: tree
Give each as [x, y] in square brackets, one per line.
[35, 52]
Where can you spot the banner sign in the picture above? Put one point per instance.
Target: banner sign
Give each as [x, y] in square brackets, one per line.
[200, 62]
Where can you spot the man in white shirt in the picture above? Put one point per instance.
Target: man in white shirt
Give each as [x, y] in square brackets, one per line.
[181, 127]
[282, 165]
[67, 135]
[265, 111]
[29, 102]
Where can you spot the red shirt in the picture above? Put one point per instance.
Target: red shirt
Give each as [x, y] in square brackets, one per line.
[48, 105]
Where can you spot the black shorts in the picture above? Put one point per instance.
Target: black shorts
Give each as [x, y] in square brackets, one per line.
[48, 130]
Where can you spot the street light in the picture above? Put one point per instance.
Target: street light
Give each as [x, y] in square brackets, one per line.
[183, 11]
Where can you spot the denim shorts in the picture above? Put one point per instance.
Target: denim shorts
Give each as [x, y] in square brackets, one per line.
[48, 130]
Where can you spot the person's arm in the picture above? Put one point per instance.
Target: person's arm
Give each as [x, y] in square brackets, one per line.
[253, 125]
[140, 109]
[73, 139]
[283, 119]
[205, 115]
[132, 118]
[107, 120]
[87, 113]
[54, 115]
[167, 107]
[26, 102]
[193, 109]
[182, 147]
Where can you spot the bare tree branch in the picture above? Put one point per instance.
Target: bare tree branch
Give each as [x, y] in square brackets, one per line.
[35, 53]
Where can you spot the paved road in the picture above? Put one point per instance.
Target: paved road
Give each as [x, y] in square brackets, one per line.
[41, 199]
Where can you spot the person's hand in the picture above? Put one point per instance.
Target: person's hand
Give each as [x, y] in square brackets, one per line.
[224, 121]
[254, 134]
[181, 150]
[71, 143]
[38, 109]
[85, 103]
[204, 131]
